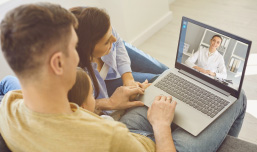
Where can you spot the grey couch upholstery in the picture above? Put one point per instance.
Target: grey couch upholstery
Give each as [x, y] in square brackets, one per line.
[3, 146]
[232, 144]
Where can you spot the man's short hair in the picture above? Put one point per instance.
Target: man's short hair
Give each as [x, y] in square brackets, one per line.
[28, 31]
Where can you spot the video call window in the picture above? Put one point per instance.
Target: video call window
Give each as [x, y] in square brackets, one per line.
[227, 62]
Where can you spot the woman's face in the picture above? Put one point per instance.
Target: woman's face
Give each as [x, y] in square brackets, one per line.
[215, 42]
[89, 102]
[104, 46]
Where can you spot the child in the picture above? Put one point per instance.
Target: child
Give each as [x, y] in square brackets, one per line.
[82, 93]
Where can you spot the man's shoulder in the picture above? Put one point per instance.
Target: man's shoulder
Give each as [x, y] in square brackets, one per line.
[9, 98]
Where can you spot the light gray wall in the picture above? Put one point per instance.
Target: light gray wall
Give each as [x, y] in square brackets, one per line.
[4, 8]
[135, 20]
[229, 51]
[194, 35]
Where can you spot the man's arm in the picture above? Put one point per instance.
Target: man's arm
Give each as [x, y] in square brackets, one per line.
[120, 99]
[163, 138]
[125, 141]
[160, 115]
[192, 59]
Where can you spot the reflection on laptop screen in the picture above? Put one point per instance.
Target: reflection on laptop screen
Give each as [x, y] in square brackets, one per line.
[211, 53]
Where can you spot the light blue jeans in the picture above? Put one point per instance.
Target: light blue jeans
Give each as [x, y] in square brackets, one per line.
[8, 83]
[143, 67]
[229, 123]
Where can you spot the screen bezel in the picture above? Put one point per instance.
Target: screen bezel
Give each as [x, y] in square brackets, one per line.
[178, 65]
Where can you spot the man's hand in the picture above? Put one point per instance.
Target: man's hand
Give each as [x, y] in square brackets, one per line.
[160, 115]
[120, 99]
[161, 112]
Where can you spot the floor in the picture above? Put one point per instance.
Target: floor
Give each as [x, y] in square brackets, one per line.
[235, 16]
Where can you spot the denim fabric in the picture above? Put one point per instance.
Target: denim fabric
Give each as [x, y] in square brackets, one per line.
[9, 83]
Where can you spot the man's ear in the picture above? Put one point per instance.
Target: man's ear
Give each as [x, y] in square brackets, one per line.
[56, 63]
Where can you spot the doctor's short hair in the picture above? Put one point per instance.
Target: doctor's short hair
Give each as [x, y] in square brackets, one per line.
[29, 31]
[218, 37]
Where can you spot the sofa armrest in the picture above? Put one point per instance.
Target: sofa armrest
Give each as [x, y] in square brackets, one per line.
[232, 144]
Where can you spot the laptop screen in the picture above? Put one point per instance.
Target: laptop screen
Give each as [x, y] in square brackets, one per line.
[212, 54]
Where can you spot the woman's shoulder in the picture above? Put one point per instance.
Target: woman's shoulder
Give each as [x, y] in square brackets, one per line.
[114, 33]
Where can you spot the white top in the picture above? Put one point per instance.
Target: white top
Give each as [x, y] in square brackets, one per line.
[104, 71]
[213, 62]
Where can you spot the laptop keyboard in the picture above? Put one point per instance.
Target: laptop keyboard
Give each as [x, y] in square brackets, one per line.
[198, 98]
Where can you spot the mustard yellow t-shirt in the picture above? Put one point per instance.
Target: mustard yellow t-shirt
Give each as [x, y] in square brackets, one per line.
[28, 131]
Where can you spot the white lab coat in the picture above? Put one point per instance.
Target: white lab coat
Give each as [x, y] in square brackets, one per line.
[214, 63]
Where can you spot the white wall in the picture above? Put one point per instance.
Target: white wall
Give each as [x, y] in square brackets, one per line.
[135, 20]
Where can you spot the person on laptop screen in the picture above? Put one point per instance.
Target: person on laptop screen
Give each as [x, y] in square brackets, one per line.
[208, 60]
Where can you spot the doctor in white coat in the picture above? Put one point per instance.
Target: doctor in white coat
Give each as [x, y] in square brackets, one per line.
[208, 60]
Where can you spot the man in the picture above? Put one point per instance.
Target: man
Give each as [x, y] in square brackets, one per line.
[39, 44]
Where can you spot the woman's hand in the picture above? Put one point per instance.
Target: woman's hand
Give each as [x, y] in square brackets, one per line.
[144, 85]
[200, 69]
[128, 80]
[211, 73]
[131, 83]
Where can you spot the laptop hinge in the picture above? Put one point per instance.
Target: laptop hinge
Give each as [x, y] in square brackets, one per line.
[204, 82]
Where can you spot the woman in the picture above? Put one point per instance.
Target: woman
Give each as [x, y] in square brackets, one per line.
[209, 60]
[103, 54]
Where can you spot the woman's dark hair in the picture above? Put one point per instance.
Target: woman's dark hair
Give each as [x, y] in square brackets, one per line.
[93, 25]
[80, 90]
[218, 37]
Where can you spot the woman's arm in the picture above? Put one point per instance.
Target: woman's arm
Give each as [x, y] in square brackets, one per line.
[221, 71]
[128, 80]
[201, 70]
[123, 62]
[122, 58]
[192, 59]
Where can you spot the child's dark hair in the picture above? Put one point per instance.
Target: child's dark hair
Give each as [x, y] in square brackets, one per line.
[80, 90]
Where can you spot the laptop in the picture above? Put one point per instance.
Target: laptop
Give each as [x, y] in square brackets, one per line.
[201, 98]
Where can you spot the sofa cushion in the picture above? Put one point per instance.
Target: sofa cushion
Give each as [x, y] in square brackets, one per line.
[3, 146]
[232, 144]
